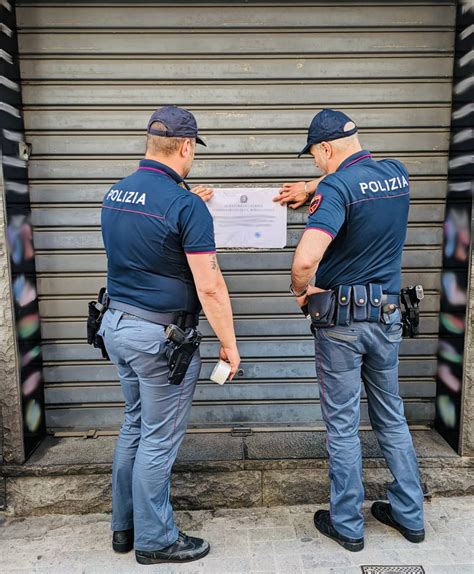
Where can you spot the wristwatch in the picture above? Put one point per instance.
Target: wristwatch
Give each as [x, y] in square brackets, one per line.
[296, 293]
[308, 193]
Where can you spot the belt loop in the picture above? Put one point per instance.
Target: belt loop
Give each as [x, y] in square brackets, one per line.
[181, 317]
[117, 315]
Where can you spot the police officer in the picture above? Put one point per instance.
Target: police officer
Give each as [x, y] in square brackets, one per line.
[162, 267]
[353, 243]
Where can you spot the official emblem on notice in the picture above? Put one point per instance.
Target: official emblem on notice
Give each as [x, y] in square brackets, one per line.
[315, 203]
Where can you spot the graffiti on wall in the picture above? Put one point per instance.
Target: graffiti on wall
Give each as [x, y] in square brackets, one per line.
[457, 236]
[19, 235]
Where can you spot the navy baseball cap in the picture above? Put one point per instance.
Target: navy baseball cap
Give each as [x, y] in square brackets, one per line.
[179, 123]
[328, 125]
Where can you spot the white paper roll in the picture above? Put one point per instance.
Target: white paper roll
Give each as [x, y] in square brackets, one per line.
[221, 372]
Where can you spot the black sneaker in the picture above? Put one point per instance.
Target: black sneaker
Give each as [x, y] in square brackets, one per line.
[185, 549]
[322, 521]
[382, 511]
[122, 540]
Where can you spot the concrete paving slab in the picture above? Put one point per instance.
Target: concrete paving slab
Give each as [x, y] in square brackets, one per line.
[277, 540]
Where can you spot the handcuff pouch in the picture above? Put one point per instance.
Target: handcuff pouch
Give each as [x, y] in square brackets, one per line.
[322, 308]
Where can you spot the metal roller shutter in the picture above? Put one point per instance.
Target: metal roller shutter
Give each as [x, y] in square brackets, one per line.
[254, 74]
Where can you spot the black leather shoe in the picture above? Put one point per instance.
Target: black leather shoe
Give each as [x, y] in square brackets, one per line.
[322, 521]
[382, 511]
[185, 549]
[122, 540]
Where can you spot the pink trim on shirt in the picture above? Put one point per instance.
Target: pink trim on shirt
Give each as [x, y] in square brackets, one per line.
[134, 211]
[381, 197]
[199, 252]
[154, 169]
[357, 159]
[319, 229]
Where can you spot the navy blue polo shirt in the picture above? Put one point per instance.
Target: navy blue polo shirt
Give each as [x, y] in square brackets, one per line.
[363, 206]
[150, 221]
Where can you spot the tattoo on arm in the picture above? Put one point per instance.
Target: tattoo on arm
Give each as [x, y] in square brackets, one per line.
[214, 264]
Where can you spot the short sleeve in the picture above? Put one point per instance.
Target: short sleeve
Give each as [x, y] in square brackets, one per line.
[196, 227]
[399, 166]
[327, 210]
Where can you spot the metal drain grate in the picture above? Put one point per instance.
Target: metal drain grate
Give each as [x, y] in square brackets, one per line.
[393, 570]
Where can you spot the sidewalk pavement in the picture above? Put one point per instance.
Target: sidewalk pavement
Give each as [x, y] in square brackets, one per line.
[273, 540]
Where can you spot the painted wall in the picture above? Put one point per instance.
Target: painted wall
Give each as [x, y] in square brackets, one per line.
[19, 235]
[457, 236]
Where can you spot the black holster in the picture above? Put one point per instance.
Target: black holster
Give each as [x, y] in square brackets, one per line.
[181, 346]
[94, 319]
[410, 297]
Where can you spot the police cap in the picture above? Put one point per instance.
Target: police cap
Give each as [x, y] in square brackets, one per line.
[179, 123]
[328, 125]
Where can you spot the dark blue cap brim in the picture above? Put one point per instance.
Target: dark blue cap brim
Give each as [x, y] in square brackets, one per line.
[169, 134]
[318, 139]
[305, 149]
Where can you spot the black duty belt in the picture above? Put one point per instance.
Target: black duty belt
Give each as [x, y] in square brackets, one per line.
[349, 303]
[164, 319]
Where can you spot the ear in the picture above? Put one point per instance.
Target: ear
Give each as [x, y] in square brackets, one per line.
[185, 148]
[328, 151]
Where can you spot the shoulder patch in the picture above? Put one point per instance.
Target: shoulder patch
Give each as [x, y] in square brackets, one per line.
[315, 203]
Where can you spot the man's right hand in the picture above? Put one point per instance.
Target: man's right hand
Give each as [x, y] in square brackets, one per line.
[230, 355]
[214, 297]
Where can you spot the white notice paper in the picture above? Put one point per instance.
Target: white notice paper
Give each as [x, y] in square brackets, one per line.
[247, 217]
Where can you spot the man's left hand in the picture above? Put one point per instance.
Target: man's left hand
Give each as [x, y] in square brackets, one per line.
[292, 194]
[204, 191]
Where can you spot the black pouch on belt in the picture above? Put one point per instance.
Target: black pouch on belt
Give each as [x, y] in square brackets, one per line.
[344, 294]
[359, 303]
[375, 302]
[322, 309]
